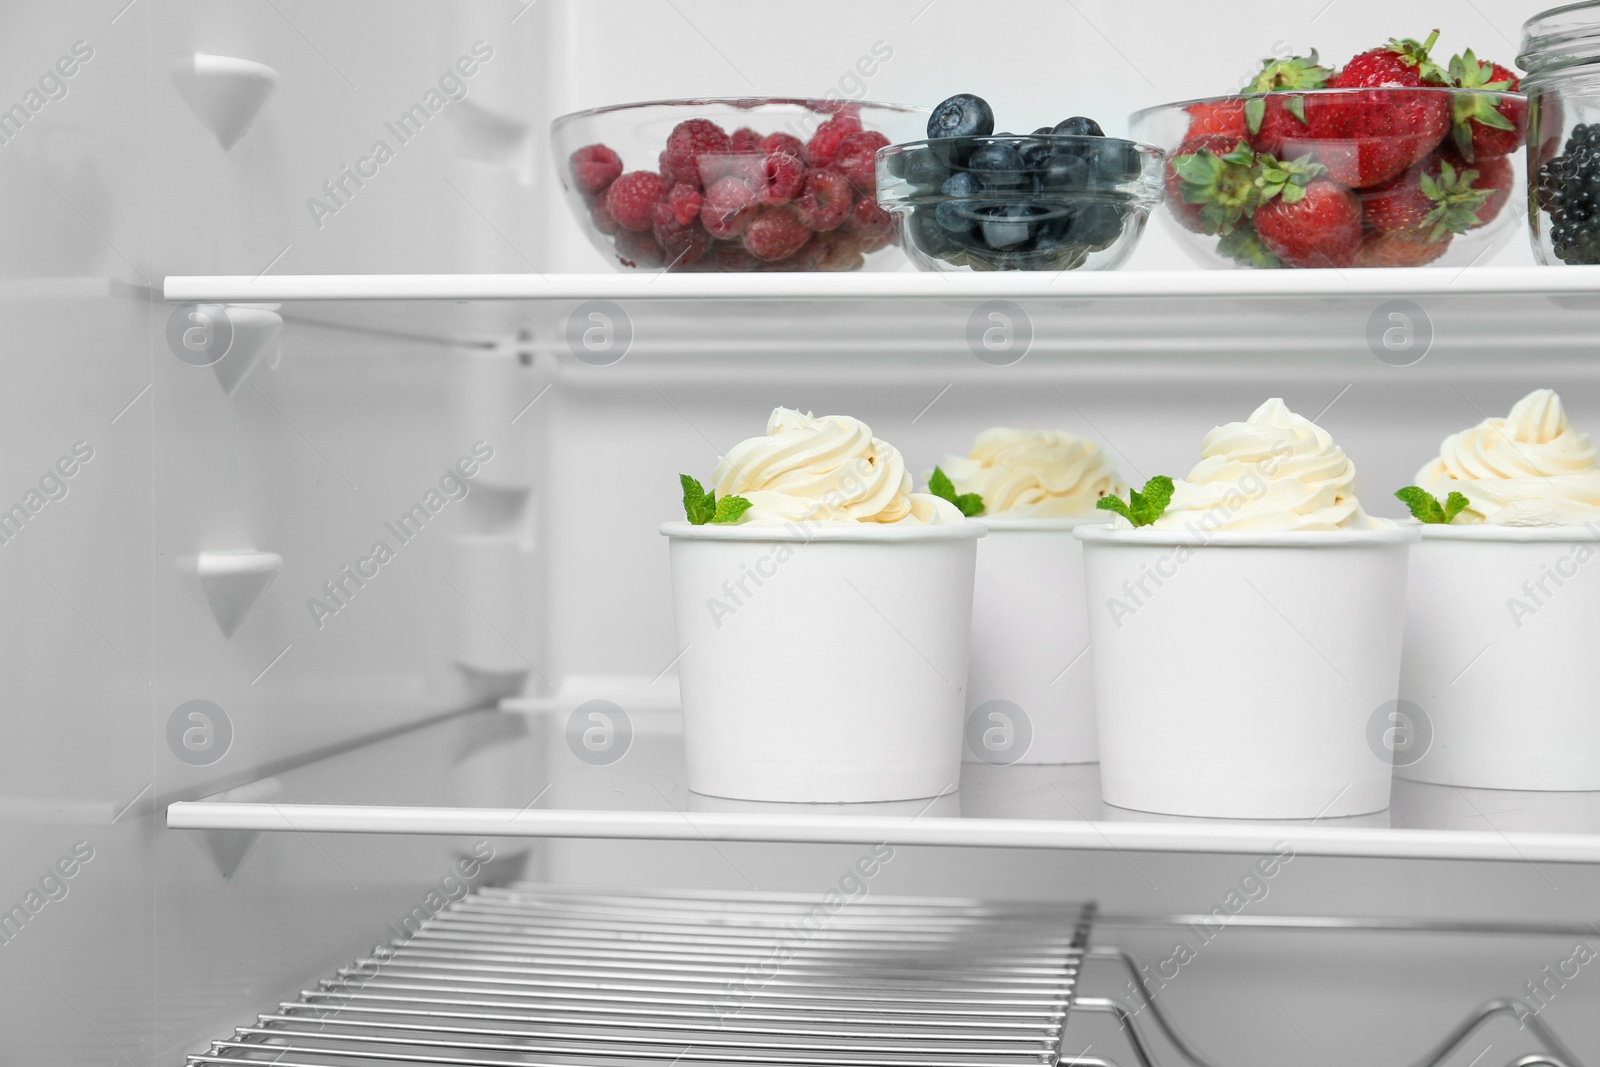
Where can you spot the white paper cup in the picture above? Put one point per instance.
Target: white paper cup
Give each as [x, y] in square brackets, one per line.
[1236, 673]
[1499, 665]
[1031, 683]
[825, 664]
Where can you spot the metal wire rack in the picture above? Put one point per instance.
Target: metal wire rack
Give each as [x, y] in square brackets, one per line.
[552, 977]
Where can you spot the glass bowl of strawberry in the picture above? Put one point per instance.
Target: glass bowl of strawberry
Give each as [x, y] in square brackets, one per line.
[733, 184]
[1391, 161]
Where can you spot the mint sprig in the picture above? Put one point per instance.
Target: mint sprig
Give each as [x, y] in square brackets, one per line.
[1141, 508]
[1425, 507]
[940, 485]
[702, 507]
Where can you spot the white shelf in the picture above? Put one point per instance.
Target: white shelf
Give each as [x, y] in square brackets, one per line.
[494, 774]
[902, 285]
[907, 323]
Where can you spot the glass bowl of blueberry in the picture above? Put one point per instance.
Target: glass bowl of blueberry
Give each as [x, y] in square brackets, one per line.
[1065, 197]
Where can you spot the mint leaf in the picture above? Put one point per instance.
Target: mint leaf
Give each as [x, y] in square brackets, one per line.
[699, 505]
[729, 509]
[940, 485]
[1157, 495]
[1116, 504]
[970, 504]
[1454, 504]
[1141, 508]
[1425, 506]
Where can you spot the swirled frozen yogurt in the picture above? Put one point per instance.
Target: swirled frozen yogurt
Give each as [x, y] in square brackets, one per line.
[1530, 468]
[1275, 471]
[1034, 473]
[828, 469]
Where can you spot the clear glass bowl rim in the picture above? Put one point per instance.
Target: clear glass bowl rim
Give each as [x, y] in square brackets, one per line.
[1151, 158]
[1055, 138]
[1143, 114]
[814, 104]
[1552, 40]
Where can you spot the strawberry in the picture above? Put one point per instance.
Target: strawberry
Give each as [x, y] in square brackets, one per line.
[1315, 225]
[1426, 204]
[1211, 183]
[1222, 117]
[1243, 246]
[1387, 250]
[1365, 138]
[1403, 62]
[1495, 179]
[1485, 124]
[1274, 121]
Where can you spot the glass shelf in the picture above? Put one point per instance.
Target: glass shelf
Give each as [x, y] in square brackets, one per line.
[511, 773]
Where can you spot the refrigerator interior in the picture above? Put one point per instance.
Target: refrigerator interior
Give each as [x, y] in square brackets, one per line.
[544, 579]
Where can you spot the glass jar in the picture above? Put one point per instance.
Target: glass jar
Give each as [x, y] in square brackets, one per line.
[1561, 53]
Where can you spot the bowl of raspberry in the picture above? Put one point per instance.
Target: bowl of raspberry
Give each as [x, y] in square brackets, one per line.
[1064, 197]
[1393, 160]
[733, 184]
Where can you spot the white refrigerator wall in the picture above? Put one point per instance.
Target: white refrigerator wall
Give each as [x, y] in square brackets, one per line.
[158, 940]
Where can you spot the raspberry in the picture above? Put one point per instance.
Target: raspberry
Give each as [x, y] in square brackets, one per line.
[682, 243]
[684, 202]
[604, 221]
[826, 201]
[782, 177]
[824, 144]
[810, 254]
[594, 167]
[633, 196]
[744, 140]
[733, 256]
[782, 142]
[725, 211]
[776, 233]
[748, 168]
[857, 160]
[635, 249]
[841, 251]
[686, 144]
[870, 225]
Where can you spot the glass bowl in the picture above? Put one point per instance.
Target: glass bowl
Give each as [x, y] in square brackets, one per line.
[1010, 202]
[772, 184]
[1560, 49]
[1386, 170]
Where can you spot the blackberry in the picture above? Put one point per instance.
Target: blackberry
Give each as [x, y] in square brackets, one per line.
[1569, 191]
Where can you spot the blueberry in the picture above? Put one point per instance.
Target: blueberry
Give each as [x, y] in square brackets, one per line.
[1066, 173]
[954, 215]
[963, 115]
[1042, 131]
[1036, 155]
[926, 233]
[1098, 225]
[964, 184]
[924, 169]
[1078, 126]
[1055, 230]
[998, 163]
[1011, 226]
[954, 151]
[1116, 161]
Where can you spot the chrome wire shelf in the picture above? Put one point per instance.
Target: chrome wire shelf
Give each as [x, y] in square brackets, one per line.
[533, 975]
[543, 976]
